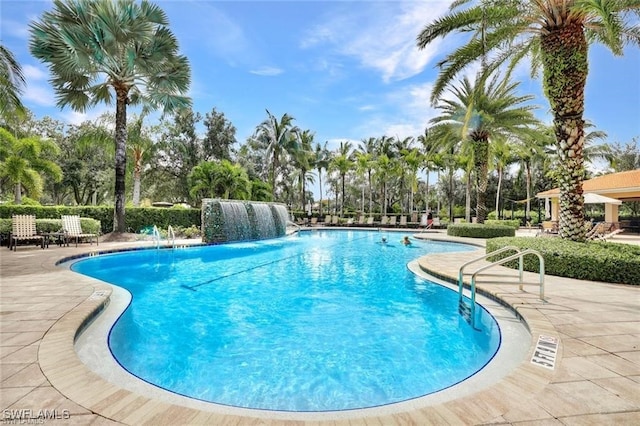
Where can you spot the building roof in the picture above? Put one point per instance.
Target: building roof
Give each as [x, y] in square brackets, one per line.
[623, 186]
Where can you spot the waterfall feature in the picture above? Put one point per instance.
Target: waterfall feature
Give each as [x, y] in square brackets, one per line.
[232, 220]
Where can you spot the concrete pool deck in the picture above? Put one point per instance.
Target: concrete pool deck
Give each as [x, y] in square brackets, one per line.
[596, 379]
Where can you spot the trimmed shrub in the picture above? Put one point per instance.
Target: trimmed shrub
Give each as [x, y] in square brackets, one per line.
[477, 230]
[593, 260]
[515, 223]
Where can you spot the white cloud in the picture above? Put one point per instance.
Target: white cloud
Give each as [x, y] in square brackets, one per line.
[33, 73]
[406, 112]
[383, 38]
[267, 71]
[75, 117]
[39, 95]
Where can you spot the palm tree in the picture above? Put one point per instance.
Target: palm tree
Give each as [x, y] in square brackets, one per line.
[11, 83]
[363, 166]
[502, 157]
[101, 51]
[219, 179]
[342, 163]
[555, 34]
[482, 111]
[22, 161]
[303, 159]
[139, 146]
[277, 135]
[413, 159]
[321, 160]
[368, 147]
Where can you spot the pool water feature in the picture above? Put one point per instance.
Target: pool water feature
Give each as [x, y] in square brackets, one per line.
[329, 320]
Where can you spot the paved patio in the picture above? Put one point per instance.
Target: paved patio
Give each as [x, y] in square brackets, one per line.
[596, 379]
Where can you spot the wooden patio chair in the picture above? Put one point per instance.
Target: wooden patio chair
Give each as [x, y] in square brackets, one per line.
[23, 228]
[73, 229]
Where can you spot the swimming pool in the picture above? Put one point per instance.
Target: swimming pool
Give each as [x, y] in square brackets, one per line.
[328, 320]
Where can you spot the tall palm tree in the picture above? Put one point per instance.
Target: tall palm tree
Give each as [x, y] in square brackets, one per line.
[101, 51]
[555, 34]
[342, 163]
[413, 159]
[11, 84]
[139, 147]
[22, 161]
[363, 166]
[303, 160]
[368, 147]
[277, 135]
[502, 158]
[483, 110]
[322, 158]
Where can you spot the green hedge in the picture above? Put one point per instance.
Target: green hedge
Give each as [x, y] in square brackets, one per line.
[136, 218]
[477, 230]
[88, 225]
[593, 261]
[514, 223]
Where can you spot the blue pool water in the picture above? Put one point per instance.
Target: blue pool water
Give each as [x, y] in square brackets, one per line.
[326, 320]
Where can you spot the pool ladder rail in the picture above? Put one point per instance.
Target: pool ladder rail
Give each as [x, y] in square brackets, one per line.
[468, 311]
[171, 236]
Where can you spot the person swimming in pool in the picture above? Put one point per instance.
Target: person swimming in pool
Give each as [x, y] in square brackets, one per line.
[384, 240]
[406, 241]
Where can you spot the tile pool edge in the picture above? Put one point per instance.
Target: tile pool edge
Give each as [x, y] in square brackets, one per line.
[66, 372]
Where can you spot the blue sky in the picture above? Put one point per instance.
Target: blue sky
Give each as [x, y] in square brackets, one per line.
[345, 70]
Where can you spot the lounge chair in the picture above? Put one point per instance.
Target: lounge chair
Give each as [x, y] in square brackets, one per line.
[23, 228]
[414, 223]
[403, 221]
[73, 230]
[327, 220]
[384, 221]
[603, 231]
[350, 221]
[549, 227]
[314, 221]
[392, 221]
[361, 220]
[370, 221]
[335, 220]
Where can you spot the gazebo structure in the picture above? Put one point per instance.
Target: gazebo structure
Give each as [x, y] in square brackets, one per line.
[610, 190]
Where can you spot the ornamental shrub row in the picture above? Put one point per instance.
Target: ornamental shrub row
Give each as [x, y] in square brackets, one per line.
[137, 218]
[478, 230]
[593, 260]
[514, 223]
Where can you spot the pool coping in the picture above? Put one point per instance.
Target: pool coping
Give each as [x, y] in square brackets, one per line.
[529, 392]
[76, 381]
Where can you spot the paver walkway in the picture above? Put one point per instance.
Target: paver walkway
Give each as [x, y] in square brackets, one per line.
[596, 379]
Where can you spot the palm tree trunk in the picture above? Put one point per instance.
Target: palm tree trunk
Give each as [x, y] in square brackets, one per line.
[426, 200]
[467, 205]
[564, 56]
[121, 160]
[481, 159]
[320, 181]
[498, 192]
[18, 193]
[370, 193]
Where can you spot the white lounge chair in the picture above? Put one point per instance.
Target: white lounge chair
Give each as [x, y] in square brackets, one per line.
[73, 230]
[23, 228]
